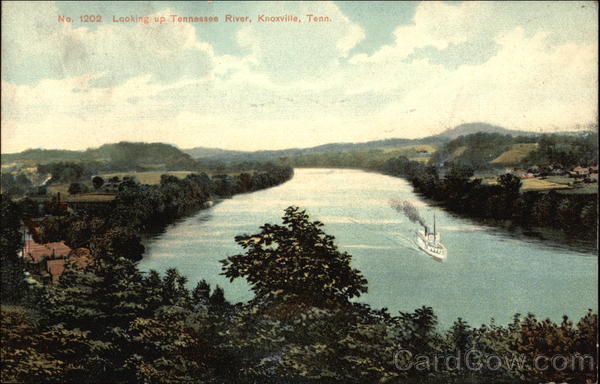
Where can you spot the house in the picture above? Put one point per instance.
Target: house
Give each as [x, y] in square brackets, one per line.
[581, 171]
[534, 169]
[36, 252]
[91, 201]
[556, 171]
[523, 174]
[55, 268]
[80, 259]
[46, 260]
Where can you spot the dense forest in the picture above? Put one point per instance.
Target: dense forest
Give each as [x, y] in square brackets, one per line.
[141, 208]
[123, 156]
[458, 191]
[481, 149]
[110, 322]
[477, 151]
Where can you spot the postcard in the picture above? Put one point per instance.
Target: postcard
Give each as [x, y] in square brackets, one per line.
[299, 192]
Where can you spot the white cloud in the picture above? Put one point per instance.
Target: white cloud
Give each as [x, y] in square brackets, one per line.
[434, 24]
[300, 51]
[299, 85]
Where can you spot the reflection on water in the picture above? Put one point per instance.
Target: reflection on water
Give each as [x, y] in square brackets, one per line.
[489, 272]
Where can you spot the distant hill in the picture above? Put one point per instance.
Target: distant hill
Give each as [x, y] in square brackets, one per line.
[208, 152]
[43, 155]
[484, 150]
[216, 154]
[478, 149]
[471, 128]
[117, 156]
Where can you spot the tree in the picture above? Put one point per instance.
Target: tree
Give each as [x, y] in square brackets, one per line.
[11, 241]
[510, 183]
[201, 293]
[98, 182]
[115, 243]
[76, 188]
[12, 185]
[296, 259]
[32, 355]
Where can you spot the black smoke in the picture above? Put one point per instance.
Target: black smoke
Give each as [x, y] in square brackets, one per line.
[408, 210]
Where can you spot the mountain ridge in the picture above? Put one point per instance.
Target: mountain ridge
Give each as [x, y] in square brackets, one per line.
[218, 154]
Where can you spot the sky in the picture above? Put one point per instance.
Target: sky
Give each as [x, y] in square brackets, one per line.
[375, 70]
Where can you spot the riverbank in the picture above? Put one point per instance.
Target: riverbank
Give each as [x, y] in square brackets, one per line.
[489, 272]
[167, 318]
[117, 226]
[544, 234]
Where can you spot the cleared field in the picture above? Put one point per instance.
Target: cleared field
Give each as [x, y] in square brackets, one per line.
[459, 151]
[423, 160]
[91, 197]
[534, 184]
[541, 184]
[62, 188]
[586, 188]
[151, 177]
[515, 153]
[413, 148]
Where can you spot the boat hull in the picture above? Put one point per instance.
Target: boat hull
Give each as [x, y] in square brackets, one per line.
[437, 252]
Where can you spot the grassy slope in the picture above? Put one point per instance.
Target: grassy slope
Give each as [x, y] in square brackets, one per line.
[151, 177]
[563, 184]
[515, 154]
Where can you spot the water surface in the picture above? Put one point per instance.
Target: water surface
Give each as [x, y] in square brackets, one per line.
[489, 273]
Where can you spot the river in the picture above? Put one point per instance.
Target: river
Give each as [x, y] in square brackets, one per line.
[489, 273]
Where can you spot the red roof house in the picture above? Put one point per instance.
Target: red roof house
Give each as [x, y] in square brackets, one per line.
[55, 268]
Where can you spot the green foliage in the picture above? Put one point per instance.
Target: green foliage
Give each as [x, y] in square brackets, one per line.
[127, 156]
[33, 355]
[65, 172]
[67, 166]
[510, 183]
[565, 151]
[97, 182]
[475, 150]
[115, 243]
[11, 241]
[296, 259]
[77, 188]
[458, 191]
[12, 185]
[112, 321]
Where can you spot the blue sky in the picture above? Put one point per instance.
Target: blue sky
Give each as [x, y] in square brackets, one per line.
[377, 70]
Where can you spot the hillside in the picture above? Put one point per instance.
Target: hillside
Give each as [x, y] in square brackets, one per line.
[473, 144]
[471, 128]
[208, 152]
[43, 155]
[515, 154]
[217, 154]
[385, 144]
[123, 155]
[485, 150]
